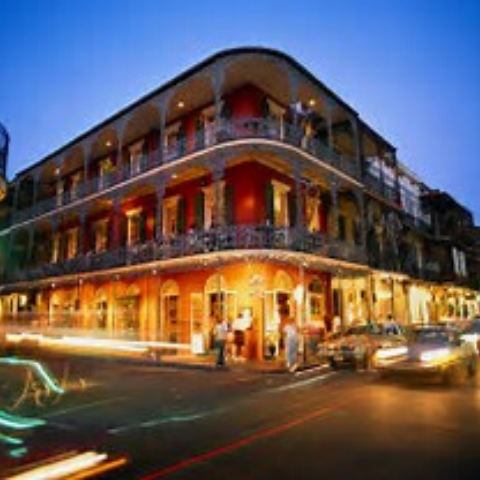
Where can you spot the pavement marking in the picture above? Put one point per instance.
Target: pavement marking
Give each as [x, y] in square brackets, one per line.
[155, 422]
[84, 406]
[300, 384]
[246, 441]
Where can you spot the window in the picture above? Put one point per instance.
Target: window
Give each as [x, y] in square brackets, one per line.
[104, 168]
[60, 190]
[312, 214]
[72, 243]
[56, 248]
[135, 157]
[134, 226]
[75, 186]
[170, 216]
[101, 235]
[210, 205]
[171, 140]
[280, 204]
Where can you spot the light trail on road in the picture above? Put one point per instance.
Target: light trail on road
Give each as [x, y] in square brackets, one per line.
[251, 439]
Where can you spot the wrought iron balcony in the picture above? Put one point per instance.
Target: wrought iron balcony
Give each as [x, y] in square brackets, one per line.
[224, 131]
[243, 237]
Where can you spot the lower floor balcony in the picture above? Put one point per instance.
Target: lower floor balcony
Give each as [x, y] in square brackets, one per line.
[252, 237]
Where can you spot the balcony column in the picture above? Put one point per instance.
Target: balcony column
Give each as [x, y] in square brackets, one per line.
[356, 142]
[163, 105]
[36, 185]
[55, 242]
[81, 233]
[361, 210]
[87, 151]
[218, 173]
[334, 184]
[59, 186]
[31, 243]
[160, 193]
[217, 78]
[329, 119]
[299, 220]
[116, 223]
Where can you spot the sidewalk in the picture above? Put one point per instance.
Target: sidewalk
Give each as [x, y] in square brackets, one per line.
[206, 362]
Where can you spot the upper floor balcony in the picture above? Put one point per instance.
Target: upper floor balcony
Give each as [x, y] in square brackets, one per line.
[221, 133]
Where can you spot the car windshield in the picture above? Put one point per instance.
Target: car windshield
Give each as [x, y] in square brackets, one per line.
[473, 328]
[435, 336]
[365, 330]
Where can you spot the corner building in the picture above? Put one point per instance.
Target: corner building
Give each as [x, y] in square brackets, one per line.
[242, 188]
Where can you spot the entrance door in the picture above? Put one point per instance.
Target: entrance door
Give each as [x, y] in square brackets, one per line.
[128, 321]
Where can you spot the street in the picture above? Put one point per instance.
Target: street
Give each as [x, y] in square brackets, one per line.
[191, 423]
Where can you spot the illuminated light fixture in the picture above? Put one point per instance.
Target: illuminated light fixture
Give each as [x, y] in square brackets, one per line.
[108, 143]
[312, 102]
[174, 175]
[434, 355]
[57, 171]
[181, 104]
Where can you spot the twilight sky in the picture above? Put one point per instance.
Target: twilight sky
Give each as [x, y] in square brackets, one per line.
[411, 68]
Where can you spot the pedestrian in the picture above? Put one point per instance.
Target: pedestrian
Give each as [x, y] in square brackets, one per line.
[291, 345]
[221, 333]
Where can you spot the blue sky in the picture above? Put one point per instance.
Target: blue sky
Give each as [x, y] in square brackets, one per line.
[410, 68]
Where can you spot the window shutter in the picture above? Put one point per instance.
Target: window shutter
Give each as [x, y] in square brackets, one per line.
[229, 204]
[269, 203]
[91, 238]
[181, 215]
[142, 227]
[341, 227]
[123, 231]
[199, 211]
[292, 209]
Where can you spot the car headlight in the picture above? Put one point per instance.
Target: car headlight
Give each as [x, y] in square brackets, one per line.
[434, 355]
[385, 353]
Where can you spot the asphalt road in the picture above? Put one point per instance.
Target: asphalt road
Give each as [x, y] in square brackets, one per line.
[191, 424]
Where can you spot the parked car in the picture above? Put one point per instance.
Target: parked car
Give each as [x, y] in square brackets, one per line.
[434, 350]
[358, 344]
[471, 334]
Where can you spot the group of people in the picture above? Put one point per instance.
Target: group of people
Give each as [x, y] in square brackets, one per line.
[230, 338]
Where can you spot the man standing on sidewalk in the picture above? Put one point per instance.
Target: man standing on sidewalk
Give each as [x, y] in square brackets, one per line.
[220, 332]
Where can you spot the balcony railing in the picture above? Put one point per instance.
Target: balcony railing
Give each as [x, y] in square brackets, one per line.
[225, 130]
[244, 237]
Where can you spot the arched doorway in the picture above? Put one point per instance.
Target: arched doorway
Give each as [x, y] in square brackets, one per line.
[278, 308]
[220, 303]
[100, 316]
[127, 321]
[172, 328]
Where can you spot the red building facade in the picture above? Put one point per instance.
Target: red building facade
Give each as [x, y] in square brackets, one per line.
[244, 188]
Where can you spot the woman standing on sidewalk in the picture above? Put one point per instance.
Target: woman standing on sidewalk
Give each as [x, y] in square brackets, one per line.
[291, 344]
[221, 333]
